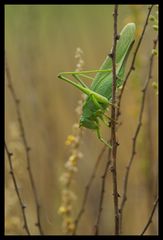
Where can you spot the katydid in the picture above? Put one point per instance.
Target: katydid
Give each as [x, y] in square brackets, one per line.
[99, 94]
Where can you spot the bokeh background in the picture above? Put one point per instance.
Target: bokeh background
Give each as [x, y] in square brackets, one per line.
[40, 42]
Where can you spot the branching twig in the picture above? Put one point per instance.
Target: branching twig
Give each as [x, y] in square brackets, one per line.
[150, 217]
[96, 227]
[134, 139]
[132, 67]
[87, 189]
[117, 115]
[22, 205]
[113, 123]
[26, 146]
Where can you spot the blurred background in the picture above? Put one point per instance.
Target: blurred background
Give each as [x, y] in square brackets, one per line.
[40, 42]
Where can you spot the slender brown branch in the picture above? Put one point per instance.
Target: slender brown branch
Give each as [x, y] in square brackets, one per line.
[96, 227]
[26, 146]
[134, 139]
[150, 217]
[22, 205]
[113, 123]
[87, 189]
[132, 66]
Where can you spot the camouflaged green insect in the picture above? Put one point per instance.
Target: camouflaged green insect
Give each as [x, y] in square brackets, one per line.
[99, 94]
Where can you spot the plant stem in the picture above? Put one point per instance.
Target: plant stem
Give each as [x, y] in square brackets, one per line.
[22, 205]
[150, 217]
[113, 124]
[26, 146]
[134, 139]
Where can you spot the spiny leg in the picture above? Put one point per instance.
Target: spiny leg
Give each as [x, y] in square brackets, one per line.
[86, 72]
[86, 90]
[81, 73]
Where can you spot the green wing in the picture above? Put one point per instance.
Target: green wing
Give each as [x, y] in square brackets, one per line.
[123, 47]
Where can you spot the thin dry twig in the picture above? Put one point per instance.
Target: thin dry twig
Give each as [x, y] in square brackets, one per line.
[134, 139]
[96, 227]
[132, 66]
[26, 146]
[117, 115]
[150, 217]
[87, 189]
[22, 205]
[113, 123]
